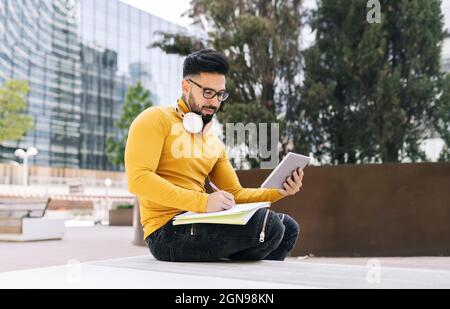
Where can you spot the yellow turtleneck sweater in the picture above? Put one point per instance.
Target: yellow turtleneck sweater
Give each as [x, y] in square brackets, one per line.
[166, 168]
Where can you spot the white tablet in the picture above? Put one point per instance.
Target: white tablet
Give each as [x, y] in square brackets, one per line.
[285, 168]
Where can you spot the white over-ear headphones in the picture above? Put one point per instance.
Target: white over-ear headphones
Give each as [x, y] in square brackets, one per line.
[192, 122]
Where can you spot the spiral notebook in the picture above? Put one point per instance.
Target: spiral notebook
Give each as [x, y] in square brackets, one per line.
[240, 214]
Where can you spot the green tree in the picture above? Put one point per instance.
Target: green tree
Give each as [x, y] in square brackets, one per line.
[13, 123]
[373, 91]
[137, 99]
[442, 118]
[262, 41]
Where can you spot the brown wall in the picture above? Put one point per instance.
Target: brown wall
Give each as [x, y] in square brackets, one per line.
[369, 210]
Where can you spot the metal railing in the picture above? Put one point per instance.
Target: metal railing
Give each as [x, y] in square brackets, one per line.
[65, 181]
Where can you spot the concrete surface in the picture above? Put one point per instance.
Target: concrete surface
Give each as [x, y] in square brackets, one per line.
[104, 257]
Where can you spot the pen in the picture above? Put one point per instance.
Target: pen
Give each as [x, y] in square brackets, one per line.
[213, 186]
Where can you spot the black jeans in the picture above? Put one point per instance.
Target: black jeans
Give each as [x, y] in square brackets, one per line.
[267, 236]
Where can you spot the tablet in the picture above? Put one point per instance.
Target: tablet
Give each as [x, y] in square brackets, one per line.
[285, 168]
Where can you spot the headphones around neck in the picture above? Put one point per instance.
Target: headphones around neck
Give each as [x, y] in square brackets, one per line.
[192, 122]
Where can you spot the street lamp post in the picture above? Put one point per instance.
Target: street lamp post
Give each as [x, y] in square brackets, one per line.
[108, 183]
[32, 151]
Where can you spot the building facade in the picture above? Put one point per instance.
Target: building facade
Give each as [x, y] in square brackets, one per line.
[116, 44]
[101, 99]
[79, 57]
[39, 44]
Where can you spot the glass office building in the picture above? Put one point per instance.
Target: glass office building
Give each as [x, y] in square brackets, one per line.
[116, 40]
[39, 44]
[79, 57]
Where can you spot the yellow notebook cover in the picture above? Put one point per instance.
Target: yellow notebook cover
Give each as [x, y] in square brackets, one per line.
[240, 214]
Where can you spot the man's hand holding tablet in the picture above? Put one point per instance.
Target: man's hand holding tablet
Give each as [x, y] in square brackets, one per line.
[287, 177]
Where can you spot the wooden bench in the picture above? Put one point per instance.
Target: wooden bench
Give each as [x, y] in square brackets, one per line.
[23, 219]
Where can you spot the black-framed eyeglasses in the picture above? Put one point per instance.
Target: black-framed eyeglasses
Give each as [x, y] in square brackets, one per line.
[209, 93]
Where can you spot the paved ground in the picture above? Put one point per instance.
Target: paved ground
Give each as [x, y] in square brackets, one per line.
[82, 244]
[103, 256]
[426, 262]
[146, 272]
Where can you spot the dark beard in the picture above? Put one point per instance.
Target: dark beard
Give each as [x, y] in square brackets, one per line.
[206, 119]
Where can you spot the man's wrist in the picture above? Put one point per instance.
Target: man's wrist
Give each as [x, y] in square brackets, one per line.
[203, 202]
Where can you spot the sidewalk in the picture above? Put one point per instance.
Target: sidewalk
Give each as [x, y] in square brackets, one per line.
[82, 244]
[102, 256]
[146, 272]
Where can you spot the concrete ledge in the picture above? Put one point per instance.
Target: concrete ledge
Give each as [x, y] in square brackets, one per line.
[34, 229]
[145, 272]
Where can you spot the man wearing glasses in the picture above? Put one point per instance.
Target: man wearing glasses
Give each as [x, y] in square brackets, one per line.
[167, 183]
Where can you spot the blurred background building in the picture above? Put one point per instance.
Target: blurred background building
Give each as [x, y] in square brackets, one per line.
[79, 57]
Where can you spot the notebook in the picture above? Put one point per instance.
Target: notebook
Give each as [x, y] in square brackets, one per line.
[240, 214]
[285, 168]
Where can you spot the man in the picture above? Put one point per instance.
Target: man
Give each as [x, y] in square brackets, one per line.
[169, 154]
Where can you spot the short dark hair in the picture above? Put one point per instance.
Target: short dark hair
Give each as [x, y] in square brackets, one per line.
[205, 60]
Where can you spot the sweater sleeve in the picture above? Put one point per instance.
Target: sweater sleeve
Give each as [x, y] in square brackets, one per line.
[224, 177]
[142, 154]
